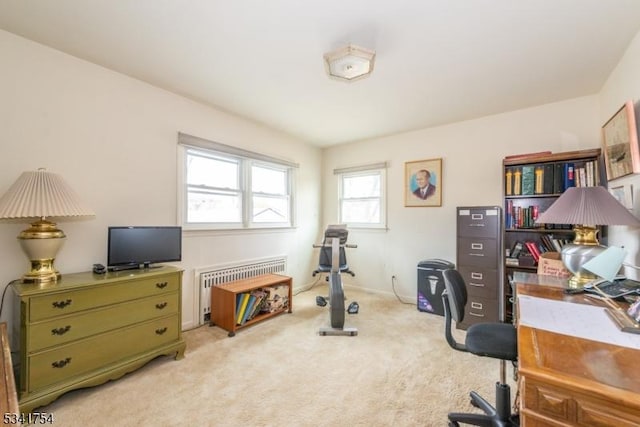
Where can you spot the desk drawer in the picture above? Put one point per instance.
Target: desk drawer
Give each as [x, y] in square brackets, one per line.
[569, 407]
[64, 362]
[65, 329]
[67, 302]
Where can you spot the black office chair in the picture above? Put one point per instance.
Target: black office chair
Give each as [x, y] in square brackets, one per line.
[497, 340]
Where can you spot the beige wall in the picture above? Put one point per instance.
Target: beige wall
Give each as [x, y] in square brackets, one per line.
[472, 154]
[624, 84]
[113, 139]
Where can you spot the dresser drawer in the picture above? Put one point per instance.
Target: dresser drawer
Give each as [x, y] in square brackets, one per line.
[481, 282]
[477, 252]
[67, 302]
[478, 222]
[65, 329]
[480, 309]
[64, 362]
[568, 406]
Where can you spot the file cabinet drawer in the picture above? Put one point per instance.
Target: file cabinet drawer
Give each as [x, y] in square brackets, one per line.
[478, 222]
[481, 282]
[480, 310]
[60, 303]
[69, 328]
[64, 362]
[477, 252]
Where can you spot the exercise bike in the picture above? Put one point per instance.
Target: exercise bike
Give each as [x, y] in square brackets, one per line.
[333, 261]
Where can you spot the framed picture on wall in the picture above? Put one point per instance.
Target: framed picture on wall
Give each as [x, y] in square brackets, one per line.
[620, 143]
[423, 183]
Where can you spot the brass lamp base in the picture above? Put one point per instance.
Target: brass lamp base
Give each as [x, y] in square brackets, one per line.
[41, 242]
[585, 246]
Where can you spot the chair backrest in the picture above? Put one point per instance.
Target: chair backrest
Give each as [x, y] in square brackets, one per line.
[454, 299]
[456, 293]
[324, 262]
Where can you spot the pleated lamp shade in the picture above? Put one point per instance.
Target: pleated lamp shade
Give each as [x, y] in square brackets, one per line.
[41, 194]
[585, 208]
[587, 205]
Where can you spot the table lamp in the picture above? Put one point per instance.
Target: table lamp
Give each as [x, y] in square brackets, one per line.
[585, 208]
[36, 196]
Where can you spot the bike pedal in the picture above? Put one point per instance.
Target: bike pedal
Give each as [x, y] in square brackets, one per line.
[353, 308]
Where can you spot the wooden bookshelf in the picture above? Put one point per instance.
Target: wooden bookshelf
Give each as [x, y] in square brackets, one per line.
[224, 300]
[526, 200]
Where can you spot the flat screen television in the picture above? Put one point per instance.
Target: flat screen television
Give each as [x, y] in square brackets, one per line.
[140, 247]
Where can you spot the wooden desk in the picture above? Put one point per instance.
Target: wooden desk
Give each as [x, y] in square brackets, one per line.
[570, 381]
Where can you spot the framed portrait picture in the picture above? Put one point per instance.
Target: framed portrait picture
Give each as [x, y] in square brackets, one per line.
[620, 143]
[423, 183]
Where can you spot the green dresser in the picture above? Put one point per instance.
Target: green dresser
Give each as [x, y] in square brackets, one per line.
[87, 329]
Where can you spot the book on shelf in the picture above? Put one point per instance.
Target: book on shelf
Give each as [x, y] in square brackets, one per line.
[528, 180]
[248, 308]
[243, 307]
[517, 182]
[568, 176]
[558, 181]
[533, 249]
[539, 179]
[547, 178]
[508, 182]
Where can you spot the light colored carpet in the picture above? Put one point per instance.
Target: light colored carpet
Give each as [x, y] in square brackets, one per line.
[398, 371]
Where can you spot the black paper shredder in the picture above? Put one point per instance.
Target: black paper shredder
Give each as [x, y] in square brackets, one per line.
[431, 285]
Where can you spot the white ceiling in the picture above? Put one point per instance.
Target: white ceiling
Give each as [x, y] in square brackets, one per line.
[437, 61]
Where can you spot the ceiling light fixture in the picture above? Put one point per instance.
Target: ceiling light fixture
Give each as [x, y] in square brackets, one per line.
[349, 63]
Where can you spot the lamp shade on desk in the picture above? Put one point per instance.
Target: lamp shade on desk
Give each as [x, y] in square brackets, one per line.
[585, 208]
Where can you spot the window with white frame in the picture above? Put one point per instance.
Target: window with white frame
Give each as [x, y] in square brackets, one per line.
[226, 187]
[363, 196]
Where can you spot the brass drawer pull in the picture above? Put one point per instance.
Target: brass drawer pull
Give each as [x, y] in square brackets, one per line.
[161, 305]
[61, 304]
[161, 285]
[61, 363]
[161, 331]
[61, 331]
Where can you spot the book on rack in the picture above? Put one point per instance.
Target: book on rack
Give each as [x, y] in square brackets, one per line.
[259, 294]
[243, 307]
[539, 179]
[517, 182]
[508, 182]
[568, 176]
[558, 181]
[528, 180]
[547, 178]
[532, 247]
[248, 308]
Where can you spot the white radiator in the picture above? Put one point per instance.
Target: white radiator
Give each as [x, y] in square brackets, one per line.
[218, 274]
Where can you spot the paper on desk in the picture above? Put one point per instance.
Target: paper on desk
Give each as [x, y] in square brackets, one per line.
[578, 320]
